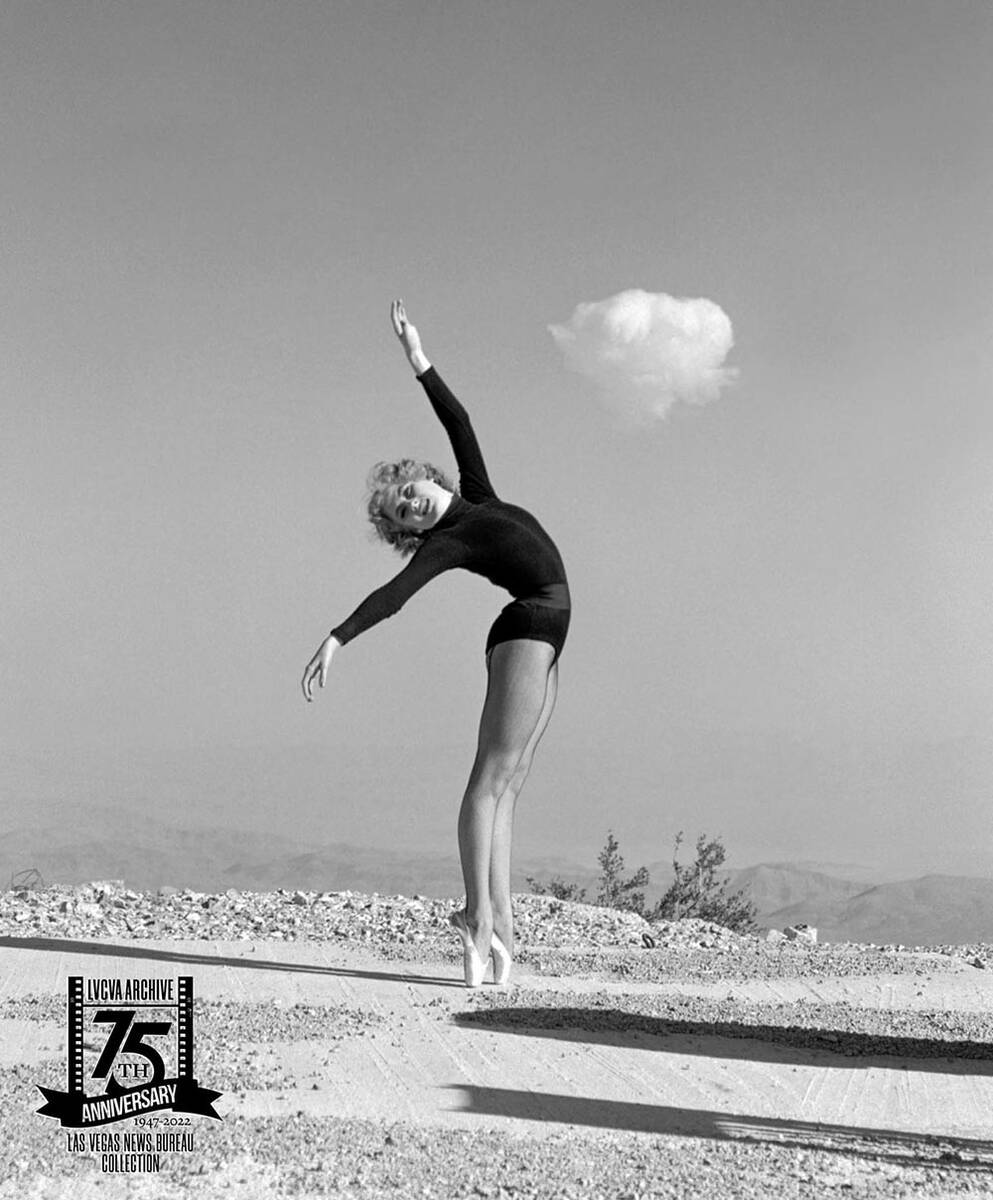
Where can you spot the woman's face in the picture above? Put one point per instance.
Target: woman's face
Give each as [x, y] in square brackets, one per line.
[417, 505]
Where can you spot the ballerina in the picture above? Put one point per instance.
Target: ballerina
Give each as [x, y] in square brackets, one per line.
[416, 509]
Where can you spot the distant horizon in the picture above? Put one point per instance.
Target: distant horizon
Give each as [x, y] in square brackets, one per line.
[263, 790]
[104, 821]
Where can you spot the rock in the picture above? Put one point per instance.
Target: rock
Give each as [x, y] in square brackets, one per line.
[801, 933]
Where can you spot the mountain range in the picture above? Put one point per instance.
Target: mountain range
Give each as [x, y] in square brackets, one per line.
[843, 901]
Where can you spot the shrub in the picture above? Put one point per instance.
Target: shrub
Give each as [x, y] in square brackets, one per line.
[615, 891]
[696, 891]
[558, 888]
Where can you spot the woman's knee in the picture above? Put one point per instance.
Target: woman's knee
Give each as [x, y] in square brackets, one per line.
[496, 772]
[518, 779]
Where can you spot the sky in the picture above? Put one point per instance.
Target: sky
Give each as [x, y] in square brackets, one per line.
[781, 628]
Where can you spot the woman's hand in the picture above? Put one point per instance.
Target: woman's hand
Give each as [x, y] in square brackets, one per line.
[317, 668]
[410, 339]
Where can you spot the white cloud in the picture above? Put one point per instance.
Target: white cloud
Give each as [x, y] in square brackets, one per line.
[647, 350]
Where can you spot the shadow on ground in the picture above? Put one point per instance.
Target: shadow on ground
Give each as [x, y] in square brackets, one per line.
[880, 1145]
[784, 1044]
[129, 950]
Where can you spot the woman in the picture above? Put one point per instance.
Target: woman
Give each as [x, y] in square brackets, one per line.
[416, 510]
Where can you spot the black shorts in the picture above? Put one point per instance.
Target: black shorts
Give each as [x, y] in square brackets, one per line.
[543, 617]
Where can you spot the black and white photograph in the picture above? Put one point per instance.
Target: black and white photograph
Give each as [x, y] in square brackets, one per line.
[497, 611]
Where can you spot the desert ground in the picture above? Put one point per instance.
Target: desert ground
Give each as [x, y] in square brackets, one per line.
[351, 1060]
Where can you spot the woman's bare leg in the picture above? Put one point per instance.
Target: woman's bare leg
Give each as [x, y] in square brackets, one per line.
[503, 823]
[515, 699]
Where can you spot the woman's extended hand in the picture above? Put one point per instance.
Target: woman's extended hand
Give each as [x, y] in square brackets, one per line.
[410, 339]
[317, 668]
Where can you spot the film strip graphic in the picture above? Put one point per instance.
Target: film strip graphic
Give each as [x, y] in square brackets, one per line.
[76, 1008]
[179, 1092]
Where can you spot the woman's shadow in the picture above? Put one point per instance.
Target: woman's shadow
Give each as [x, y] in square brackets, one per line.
[737, 1040]
[877, 1145]
[785, 1044]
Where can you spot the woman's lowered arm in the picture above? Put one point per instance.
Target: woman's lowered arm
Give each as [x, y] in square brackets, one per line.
[431, 559]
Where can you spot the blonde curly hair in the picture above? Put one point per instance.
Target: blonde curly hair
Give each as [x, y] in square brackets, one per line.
[385, 475]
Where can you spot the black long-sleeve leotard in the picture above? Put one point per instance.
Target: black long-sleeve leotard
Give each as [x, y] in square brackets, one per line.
[479, 532]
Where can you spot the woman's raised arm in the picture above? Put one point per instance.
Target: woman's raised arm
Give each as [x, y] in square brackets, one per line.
[410, 339]
[474, 481]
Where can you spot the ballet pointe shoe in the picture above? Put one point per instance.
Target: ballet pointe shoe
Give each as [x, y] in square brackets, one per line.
[502, 962]
[473, 966]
